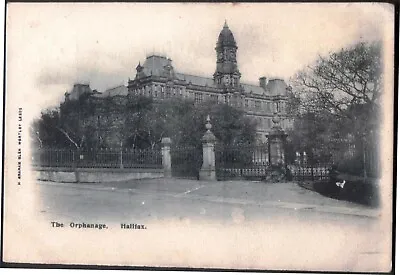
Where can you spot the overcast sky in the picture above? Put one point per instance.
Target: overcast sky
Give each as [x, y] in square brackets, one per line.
[52, 46]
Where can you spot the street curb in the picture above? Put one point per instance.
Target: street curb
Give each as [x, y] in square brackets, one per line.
[369, 213]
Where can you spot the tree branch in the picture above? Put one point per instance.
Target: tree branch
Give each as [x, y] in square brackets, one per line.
[68, 137]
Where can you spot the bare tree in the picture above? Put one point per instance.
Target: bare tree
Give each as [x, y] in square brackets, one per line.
[347, 86]
[334, 83]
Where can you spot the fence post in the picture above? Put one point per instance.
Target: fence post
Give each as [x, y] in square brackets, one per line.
[77, 164]
[207, 171]
[166, 156]
[121, 162]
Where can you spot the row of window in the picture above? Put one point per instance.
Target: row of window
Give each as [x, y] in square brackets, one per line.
[159, 92]
[277, 106]
[167, 92]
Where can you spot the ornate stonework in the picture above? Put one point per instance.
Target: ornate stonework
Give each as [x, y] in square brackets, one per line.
[158, 79]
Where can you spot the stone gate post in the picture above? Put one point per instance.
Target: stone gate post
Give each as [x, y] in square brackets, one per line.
[166, 156]
[207, 171]
[276, 141]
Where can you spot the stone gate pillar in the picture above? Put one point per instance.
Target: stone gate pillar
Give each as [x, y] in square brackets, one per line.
[276, 144]
[166, 156]
[207, 171]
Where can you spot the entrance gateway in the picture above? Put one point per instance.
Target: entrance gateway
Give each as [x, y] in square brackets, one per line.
[218, 162]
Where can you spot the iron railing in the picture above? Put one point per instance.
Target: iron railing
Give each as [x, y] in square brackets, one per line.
[310, 172]
[97, 158]
[186, 162]
[244, 161]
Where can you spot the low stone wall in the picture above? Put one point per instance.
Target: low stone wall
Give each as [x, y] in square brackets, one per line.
[92, 175]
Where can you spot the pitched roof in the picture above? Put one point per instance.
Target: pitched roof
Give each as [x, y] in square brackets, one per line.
[276, 86]
[158, 65]
[154, 65]
[196, 80]
[119, 90]
[253, 89]
[115, 91]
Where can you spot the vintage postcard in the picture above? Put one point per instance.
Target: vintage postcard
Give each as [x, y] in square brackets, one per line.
[246, 136]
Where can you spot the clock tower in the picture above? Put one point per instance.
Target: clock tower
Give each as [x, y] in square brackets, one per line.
[227, 75]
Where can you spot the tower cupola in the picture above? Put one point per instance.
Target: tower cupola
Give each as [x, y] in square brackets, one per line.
[226, 38]
[226, 74]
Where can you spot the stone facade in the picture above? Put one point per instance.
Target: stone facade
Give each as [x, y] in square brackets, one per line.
[157, 78]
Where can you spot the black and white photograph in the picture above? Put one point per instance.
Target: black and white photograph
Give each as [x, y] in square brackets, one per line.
[224, 136]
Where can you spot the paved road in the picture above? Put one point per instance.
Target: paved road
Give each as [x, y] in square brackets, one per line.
[227, 203]
[148, 193]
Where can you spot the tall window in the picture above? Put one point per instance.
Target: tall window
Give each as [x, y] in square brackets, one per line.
[198, 97]
[258, 104]
[246, 103]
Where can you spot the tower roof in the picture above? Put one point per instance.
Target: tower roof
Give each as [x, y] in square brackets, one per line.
[225, 37]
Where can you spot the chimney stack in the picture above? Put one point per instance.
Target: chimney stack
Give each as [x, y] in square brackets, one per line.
[263, 82]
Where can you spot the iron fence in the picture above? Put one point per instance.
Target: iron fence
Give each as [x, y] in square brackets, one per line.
[310, 172]
[186, 162]
[98, 158]
[354, 158]
[244, 161]
[46, 157]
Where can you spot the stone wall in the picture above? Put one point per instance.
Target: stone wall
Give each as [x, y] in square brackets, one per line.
[87, 175]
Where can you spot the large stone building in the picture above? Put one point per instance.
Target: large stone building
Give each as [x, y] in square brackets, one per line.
[157, 78]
